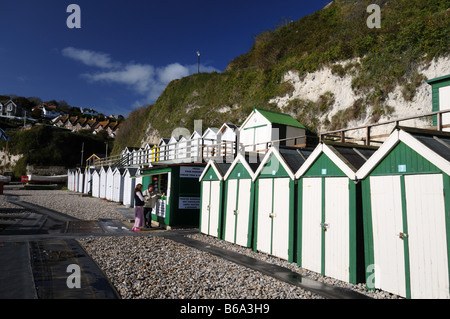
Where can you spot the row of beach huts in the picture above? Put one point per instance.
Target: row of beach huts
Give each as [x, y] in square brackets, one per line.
[351, 212]
[357, 213]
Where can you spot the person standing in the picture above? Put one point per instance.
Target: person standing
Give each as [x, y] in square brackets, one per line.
[139, 200]
[151, 196]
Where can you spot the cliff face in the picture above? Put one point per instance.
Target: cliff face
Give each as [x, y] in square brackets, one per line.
[329, 70]
[348, 108]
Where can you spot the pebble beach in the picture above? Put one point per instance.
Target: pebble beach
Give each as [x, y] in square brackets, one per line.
[154, 267]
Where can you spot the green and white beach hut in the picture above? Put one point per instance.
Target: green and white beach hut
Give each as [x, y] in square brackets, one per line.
[179, 205]
[440, 88]
[275, 201]
[262, 127]
[239, 200]
[406, 205]
[329, 211]
[211, 198]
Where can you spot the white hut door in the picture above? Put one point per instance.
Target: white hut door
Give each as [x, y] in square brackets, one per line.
[210, 208]
[427, 236]
[281, 208]
[230, 217]
[214, 209]
[311, 224]
[337, 230]
[387, 224]
[264, 227]
[206, 193]
[243, 212]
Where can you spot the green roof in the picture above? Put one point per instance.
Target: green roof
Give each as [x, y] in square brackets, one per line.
[439, 79]
[280, 118]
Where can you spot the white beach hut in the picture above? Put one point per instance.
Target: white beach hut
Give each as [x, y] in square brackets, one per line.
[110, 183]
[172, 148]
[210, 149]
[118, 185]
[195, 142]
[227, 136]
[96, 183]
[263, 126]
[163, 149]
[70, 179]
[87, 180]
[103, 181]
[182, 148]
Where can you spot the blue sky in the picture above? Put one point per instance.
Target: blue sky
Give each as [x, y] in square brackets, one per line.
[126, 52]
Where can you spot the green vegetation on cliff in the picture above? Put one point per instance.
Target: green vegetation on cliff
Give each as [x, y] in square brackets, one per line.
[412, 32]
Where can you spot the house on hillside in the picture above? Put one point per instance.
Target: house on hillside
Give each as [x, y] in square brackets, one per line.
[100, 126]
[60, 121]
[71, 123]
[47, 111]
[89, 124]
[79, 125]
[10, 109]
[113, 129]
[89, 112]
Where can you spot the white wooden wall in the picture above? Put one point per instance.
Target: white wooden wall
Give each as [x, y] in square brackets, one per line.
[273, 239]
[210, 208]
[237, 221]
[426, 235]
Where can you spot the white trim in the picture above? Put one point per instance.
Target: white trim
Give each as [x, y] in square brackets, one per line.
[339, 163]
[214, 130]
[378, 156]
[212, 164]
[309, 161]
[405, 137]
[239, 158]
[327, 150]
[425, 152]
[246, 120]
[274, 151]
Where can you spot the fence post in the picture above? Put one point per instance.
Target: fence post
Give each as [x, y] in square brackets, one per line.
[439, 121]
[368, 135]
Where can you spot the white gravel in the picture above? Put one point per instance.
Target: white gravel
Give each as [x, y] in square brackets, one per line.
[70, 203]
[158, 268]
[155, 267]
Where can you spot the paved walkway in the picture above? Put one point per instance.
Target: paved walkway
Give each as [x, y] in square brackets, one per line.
[34, 261]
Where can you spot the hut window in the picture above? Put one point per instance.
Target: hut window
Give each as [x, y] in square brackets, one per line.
[402, 168]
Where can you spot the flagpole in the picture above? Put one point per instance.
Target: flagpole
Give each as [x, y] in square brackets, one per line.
[4, 164]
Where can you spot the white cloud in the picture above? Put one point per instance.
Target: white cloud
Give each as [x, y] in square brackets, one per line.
[137, 76]
[144, 79]
[90, 58]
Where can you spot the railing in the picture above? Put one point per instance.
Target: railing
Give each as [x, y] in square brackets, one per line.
[202, 150]
[368, 138]
[196, 151]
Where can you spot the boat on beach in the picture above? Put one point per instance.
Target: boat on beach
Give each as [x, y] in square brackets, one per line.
[57, 179]
[5, 179]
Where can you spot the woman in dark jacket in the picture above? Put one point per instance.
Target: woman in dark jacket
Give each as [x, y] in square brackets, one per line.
[139, 220]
